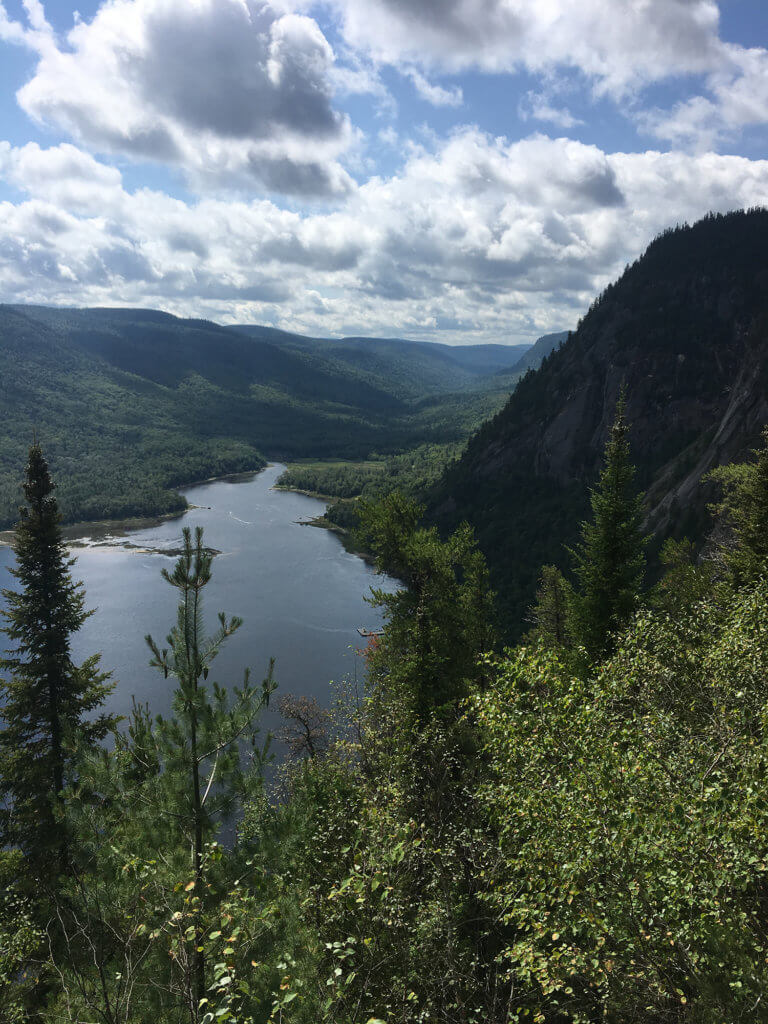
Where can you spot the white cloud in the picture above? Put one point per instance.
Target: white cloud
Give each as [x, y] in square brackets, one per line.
[739, 91]
[62, 175]
[237, 93]
[620, 45]
[499, 240]
[538, 107]
[437, 95]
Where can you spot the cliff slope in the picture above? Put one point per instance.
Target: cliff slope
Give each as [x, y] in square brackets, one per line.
[686, 329]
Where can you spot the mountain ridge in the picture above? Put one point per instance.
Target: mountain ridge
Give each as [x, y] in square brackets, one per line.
[685, 328]
[131, 404]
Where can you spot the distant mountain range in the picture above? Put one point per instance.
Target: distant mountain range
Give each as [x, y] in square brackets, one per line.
[131, 404]
[411, 369]
[685, 328]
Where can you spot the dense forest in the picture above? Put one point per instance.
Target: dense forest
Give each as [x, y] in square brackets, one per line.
[343, 483]
[132, 404]
[570, 830]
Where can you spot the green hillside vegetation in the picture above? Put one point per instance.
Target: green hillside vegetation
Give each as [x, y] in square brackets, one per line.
[538, 352]
[410, 369]
[570, 831]
[416, 471]
[685, 328]
[345, 482]
[132, 404]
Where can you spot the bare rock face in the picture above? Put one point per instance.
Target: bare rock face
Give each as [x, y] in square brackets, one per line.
[685, 331]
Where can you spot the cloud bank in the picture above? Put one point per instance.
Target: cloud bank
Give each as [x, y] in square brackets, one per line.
[292, 221]
[499, 240]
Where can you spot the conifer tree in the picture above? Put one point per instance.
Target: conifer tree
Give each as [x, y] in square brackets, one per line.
[609, 561]
[744, 508]
[196, 754]
[440, 623]
[551, 614]
[48, 701]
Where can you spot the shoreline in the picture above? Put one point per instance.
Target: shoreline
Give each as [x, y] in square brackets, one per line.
[100, 528]
[321, 523]
[307, 494]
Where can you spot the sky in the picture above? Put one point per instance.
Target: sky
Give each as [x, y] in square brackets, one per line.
[450, 170]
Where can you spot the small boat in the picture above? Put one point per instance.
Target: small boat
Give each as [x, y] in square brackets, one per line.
[369, 632]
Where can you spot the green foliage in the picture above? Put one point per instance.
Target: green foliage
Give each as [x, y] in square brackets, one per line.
[744, 511]
[476, 838]
[411, 474]
[200, 745]
[132, 404]
[679, 326]
[388, 855]
[632, 808]
[408, 473]
[48, 702]
[140, 917]
[331, 479]
[609, 560]
[20, 941]
[439, 624]
[685, 582]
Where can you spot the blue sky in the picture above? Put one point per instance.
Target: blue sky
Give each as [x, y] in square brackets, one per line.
[455, 170]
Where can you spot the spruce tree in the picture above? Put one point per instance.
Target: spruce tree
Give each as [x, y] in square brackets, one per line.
[609, 561]
[744, 510]
[441, 622]
[48, 701]
[551, 614]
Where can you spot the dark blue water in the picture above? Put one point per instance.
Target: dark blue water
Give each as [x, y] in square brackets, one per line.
[300, 594]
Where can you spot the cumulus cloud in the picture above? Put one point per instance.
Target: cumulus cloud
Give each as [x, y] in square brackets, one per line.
[619, 45]
[235, 92]
[487, 239]
[63, 175]
[739, 98]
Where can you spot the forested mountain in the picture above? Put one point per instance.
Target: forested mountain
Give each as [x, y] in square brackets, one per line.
[537, 353]
[133, 403]
[412, 369]
[685, 328]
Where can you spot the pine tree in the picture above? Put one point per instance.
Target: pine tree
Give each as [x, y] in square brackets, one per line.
[609, 561]
[48, 702]
[195, 757]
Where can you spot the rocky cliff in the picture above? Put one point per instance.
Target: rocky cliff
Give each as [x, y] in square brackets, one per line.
[685, 328]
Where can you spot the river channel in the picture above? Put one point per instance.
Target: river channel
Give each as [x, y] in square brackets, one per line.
[300, 594]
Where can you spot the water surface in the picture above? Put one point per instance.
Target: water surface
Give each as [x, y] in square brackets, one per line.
[300, 594]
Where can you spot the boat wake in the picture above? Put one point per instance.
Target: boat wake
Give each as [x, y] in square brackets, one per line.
[243, 521]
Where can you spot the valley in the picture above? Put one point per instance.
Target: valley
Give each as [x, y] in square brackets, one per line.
[133, 404]
[537, 705]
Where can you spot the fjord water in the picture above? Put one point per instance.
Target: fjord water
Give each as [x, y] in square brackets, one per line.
[300, 594]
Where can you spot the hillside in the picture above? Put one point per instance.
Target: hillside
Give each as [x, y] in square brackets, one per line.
[686, 329]
[537, 353]
[130, 404]
[411, 369]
